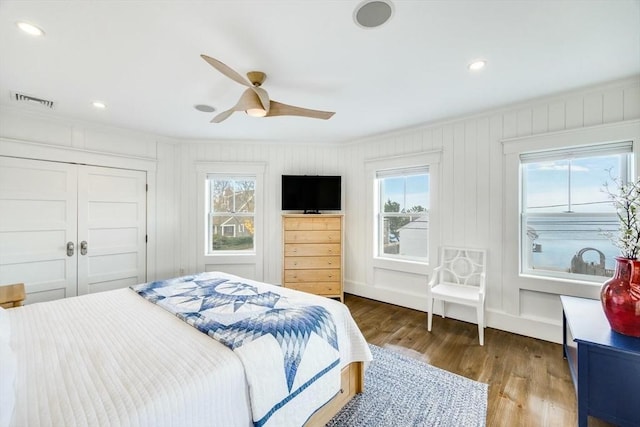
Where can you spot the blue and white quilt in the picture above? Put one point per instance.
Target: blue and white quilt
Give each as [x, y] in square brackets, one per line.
[289, 352]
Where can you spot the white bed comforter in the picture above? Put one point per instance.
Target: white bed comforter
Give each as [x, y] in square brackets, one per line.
[289, 348]
[115, 359]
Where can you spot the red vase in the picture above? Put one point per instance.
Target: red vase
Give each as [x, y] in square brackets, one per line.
[620, 297]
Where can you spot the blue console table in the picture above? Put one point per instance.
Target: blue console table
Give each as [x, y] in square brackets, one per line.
[605, 365]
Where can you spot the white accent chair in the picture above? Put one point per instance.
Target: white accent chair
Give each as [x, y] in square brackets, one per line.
[460, 279]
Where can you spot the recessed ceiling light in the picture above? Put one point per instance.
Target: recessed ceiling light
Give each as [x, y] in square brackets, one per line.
[99, 105]
[30, 28]
[204, 108]
[371, 14]
[477, 65]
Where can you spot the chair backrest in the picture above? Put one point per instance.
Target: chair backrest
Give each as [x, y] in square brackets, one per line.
[463, 266]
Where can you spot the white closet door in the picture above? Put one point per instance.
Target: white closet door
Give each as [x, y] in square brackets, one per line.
[112, 222]
[38, 208]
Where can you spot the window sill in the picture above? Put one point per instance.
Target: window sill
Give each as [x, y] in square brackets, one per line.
[231, 257]
[406, 266]
[594, 282]
[560, 286]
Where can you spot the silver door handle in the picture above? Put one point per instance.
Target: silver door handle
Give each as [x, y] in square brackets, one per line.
[83, 247]
[70, 248]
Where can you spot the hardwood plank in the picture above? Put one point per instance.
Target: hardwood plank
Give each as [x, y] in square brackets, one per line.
[529, 380]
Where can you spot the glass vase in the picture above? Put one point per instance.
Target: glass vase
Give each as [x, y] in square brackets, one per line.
[620, 297]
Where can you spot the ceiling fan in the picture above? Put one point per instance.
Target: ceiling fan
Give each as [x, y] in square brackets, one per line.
[255, 100]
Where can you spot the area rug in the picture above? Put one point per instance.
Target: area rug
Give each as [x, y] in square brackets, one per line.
[400, 391]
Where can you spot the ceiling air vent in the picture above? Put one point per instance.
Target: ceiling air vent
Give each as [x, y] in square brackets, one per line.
[22, 98]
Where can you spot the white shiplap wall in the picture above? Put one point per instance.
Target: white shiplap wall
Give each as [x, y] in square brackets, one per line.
[471, 189]
[279, 159]
[32, 133]
[472, 197]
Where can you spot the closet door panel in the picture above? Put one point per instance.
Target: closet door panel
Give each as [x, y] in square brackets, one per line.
[38, 217]
[112, 222]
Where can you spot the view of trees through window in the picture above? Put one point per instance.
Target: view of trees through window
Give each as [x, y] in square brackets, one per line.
[231, 213]
[404, 215]
[565, 212]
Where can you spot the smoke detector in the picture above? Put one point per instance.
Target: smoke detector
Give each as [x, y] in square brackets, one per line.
[28, 99]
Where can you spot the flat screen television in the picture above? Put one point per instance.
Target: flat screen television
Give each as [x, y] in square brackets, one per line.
[311, 193]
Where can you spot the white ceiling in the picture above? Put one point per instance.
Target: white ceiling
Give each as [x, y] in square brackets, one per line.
[142, 58]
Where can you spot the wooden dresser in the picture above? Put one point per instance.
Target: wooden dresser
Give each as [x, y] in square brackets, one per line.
[312, 260]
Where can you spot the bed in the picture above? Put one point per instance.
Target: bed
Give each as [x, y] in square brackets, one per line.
[115, 358]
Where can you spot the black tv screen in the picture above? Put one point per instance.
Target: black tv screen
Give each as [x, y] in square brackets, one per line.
[311, 193]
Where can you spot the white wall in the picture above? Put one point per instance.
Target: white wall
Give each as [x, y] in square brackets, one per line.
[471, 202]
[279, 159]
[471, 192]
[30, 133]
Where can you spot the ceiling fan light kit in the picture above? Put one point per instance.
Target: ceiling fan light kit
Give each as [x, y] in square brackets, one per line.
[250, 103]
[256, 112]
[255, 101]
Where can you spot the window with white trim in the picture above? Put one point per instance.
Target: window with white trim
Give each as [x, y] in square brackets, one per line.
[402, 213]
[230, 213]
[565, 210]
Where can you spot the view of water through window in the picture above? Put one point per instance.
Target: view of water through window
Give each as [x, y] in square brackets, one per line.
[566, 211]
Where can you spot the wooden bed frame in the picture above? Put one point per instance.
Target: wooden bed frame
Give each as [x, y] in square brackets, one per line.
[352, 382]
[12, 295]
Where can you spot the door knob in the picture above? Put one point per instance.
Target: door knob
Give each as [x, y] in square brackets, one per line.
[83, 247]
[70, 248]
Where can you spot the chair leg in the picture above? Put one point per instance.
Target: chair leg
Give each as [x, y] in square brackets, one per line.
[481, 325]
[429, 313]
[442, 308]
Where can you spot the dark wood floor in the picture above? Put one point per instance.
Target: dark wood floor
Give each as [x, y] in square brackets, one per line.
[529, 381]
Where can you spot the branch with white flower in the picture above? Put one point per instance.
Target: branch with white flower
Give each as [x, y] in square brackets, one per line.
[626, 200]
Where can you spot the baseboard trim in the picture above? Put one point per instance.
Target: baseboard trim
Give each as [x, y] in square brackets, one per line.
[535, 328]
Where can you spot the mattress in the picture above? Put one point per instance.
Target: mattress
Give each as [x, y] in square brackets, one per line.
[113, 358]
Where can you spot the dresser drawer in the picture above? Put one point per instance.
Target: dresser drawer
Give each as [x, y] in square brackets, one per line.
[300, 236]
[307, 224]
[318, 288]
[301, 276]
[311, 249]
[312, 259]
[310, 262]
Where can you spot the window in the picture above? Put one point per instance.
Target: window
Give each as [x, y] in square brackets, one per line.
[403, 213]
[231, 212]
[565, 210]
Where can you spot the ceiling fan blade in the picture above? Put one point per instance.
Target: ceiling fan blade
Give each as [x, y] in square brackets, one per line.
[222, 116]
[264, 97]
[280, 109]
[226, 70]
